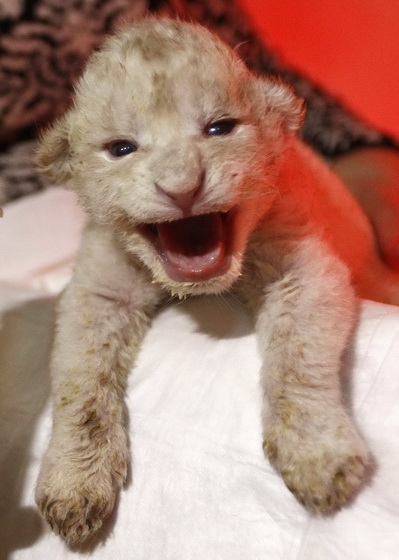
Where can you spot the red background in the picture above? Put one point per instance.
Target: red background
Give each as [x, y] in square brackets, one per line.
[351, 47]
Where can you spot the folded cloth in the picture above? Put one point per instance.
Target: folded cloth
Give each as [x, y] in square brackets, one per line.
[39, 237]
[200, 485]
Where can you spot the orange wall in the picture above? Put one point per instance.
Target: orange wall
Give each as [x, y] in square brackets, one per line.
[350, 46]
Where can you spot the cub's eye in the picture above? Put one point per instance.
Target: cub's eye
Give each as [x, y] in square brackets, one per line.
[220, 128]
[121, 148]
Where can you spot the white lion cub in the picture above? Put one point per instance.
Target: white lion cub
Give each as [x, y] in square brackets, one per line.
[195, 182]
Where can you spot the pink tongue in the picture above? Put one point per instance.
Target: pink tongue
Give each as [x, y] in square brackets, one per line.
[194, 248]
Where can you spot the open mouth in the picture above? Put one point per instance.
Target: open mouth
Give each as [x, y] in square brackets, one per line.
[193, 249]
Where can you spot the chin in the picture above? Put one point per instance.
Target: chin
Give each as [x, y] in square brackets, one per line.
[182, 289]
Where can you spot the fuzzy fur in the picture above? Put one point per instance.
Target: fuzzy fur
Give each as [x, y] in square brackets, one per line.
[297, 249]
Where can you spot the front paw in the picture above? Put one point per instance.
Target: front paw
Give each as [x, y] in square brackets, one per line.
[323, 470]
[75, 498]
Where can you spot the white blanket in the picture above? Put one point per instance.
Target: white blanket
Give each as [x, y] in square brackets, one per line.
[200, 485]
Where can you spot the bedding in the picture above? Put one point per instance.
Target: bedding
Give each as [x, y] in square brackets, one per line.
[200, 486]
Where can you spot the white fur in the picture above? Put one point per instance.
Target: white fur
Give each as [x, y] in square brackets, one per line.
[298, 245]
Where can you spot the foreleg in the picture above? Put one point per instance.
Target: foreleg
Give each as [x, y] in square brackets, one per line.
[304, 323]
[102, 318]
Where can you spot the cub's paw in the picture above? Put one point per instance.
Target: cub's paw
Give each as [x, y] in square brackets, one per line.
[323, 473]
[76, 501]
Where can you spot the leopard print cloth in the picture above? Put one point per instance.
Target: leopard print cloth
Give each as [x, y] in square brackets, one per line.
[44, 45]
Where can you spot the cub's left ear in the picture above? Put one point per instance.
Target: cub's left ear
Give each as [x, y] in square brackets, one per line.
[276, 103]
[53, 156]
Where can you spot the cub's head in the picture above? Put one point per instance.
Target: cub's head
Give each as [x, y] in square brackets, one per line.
[175, 145]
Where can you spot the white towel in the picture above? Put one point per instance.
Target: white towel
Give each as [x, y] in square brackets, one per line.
[201, 487]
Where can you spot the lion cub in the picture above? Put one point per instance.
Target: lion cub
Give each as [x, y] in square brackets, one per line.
[195, 182]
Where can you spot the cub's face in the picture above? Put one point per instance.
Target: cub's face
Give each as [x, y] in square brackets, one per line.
[174, 145]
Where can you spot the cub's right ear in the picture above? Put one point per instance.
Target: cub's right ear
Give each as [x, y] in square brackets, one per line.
[276, 102]
[53, 156]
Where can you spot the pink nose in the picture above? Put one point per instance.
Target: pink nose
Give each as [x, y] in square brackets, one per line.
[184, 197]
[178, 172]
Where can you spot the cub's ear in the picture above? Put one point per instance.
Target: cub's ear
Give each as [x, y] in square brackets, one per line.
[53, 156]
[276, 102]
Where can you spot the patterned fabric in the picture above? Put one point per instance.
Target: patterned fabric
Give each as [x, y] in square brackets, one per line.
[18, 175]
[44, 45]
[43, 48]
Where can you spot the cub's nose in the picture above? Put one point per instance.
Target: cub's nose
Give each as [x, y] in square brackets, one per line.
[184, 197]
[178, 174]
